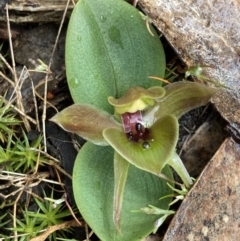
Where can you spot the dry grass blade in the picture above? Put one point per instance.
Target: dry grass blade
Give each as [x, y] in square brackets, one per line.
[19, 111]
[9, 67]
[6, 78]
[42, 98]
[54, 228]
[70, 209]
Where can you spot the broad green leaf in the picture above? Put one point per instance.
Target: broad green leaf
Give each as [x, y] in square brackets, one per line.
[93, 185]
[120, 177]
[108, 50]
[180, 98]
[161, 143]
[87, 121]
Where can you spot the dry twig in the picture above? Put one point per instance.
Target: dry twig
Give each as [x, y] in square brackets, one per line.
[46, 78]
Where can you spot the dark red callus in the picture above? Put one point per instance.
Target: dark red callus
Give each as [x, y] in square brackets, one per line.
[140, 133]
[133, 128]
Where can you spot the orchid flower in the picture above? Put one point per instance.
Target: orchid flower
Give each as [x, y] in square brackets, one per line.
[143, 130]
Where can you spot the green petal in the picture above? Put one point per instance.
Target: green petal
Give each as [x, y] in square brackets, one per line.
[87, 121]
[136, 98]
[120, 177]
[163, 139]
[180, 98]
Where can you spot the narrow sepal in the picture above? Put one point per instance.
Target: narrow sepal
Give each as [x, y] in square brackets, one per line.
[180, 98]
[87, 121]
[120, 177]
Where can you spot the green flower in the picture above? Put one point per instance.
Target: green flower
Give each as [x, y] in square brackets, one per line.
[146, 134]
[148, 147]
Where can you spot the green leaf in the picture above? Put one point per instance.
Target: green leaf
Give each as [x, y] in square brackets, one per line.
[180, 98]
[93, 185]
[163, 136]
[108, 50]
[87, 121]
